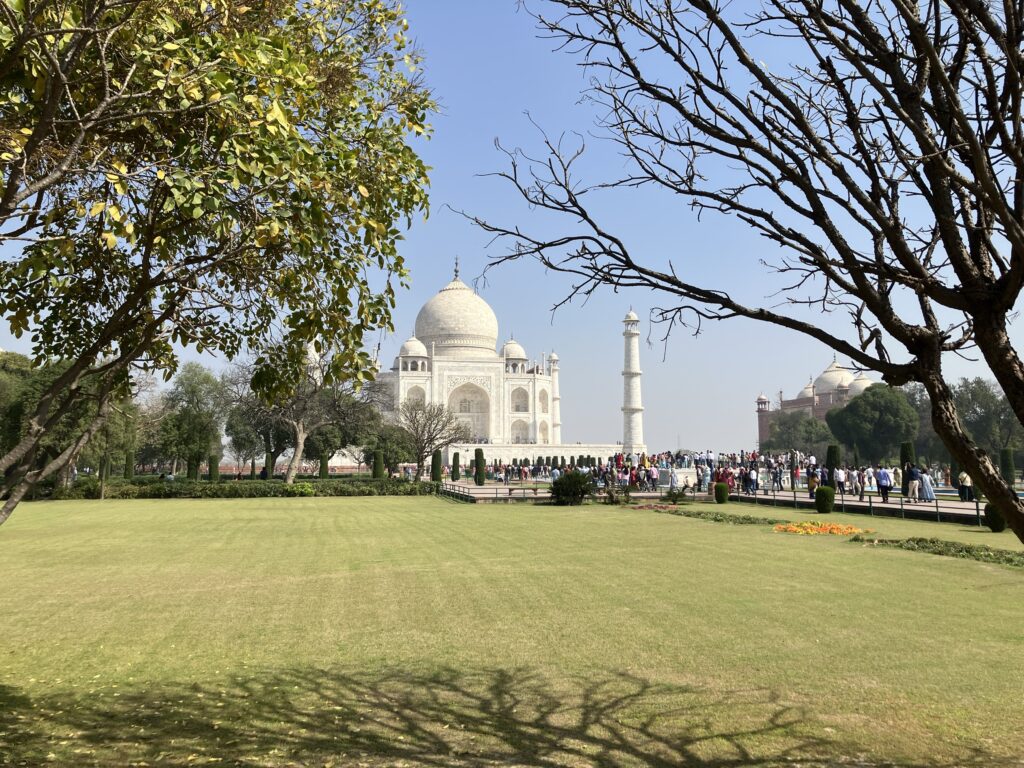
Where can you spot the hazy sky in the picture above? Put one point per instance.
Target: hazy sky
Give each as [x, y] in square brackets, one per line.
[488, 69]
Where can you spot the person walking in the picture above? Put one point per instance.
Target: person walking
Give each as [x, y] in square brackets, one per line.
[927, 487]
[884, 480]
[839, 476]
[913, 484]
[966, 487]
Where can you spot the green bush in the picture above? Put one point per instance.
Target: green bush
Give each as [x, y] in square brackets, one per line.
[824, 499]
[378, 465]
[978, 552]
[721, 493]
[479, 467]
[572, 488]
[832, 459]
[994, 519]
[456, 470]
[1006, 468]
[435, 467]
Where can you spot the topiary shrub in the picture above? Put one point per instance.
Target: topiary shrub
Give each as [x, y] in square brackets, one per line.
[479, 467]
[435, 467]
[325, 469]
[456, 470]
[994, 519]
[907, 456]
[1006, 468]
[832, 459]
[824, 499]
[571, 489]
[721, 493]
[378, 465]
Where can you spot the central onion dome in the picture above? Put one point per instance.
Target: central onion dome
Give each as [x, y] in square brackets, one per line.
[458, 323]
[832, 378]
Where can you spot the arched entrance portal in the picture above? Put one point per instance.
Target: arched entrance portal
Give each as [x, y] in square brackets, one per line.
[473, 407]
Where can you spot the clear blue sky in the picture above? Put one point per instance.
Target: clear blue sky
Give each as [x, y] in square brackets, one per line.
[488, 69]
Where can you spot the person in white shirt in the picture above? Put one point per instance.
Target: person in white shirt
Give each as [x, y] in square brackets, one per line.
[839, 475]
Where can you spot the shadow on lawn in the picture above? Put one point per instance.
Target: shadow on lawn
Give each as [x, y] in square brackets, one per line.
[498, 717]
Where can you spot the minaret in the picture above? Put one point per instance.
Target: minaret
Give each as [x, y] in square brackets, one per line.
[632, 407]
[556, 403]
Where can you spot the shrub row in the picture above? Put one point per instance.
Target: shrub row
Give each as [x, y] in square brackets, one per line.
[978, 552]
[715, 517]
[88, 488]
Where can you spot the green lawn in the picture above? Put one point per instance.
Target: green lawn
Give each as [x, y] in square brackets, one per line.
[417, 632]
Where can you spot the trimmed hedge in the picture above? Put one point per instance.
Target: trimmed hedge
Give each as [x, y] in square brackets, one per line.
[714, 517]
[479, 467]
[456, 470]
[88, 488]
[435, 467]
[824, 499]
[721, 493]
[945, 548]
[994, 519]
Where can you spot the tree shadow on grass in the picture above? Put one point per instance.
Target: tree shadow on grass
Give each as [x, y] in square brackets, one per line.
[402, 718]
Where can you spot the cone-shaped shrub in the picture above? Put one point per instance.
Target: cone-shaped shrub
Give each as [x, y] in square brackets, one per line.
[856, 457]
[1006, 468]
[129, 464]
[832, 459]
[479, 467]
[252, 468]
[268, 464]
[214, 468]
[456, 469]
[378, 465]
[435, 467]
[325, 470]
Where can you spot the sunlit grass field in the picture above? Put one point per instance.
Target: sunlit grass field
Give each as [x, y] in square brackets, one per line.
[418, 632]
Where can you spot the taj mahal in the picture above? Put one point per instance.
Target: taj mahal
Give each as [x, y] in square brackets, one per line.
[509, 402]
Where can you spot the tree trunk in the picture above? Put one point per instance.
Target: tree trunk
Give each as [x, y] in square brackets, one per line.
[1002, 358]
[252, 468]
[269, 462]
[129, 464]
[296, 460]
[969, 456]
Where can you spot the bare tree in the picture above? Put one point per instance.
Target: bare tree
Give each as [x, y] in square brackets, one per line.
[432, 427]
[881, 150]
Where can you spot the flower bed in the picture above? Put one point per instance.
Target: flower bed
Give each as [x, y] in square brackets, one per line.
[817, 528]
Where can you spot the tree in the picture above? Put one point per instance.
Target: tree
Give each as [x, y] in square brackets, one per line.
[395, 445]
[209, 175]
[456, 468]
[191, 430]
[378, 465]
[877, 421]
[431, 427]
[479, 467]
[878, 145]
[797, 430]
[435, 467]
[244, 440]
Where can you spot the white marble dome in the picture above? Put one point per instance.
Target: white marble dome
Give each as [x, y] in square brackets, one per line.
[413, 348]
[858, 385]
[513, 350]
[458, 323]
[832, 378]
[807, 391]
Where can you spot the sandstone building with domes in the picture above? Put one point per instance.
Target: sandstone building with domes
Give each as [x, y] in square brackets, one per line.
[510, 403]
[833, 388]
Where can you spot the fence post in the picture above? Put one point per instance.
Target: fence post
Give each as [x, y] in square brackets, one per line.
[977, 511]
[901, 508]
[871, 509]
[938, 514]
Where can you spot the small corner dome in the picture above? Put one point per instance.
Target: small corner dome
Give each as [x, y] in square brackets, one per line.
[807, 391]
[631, 316]
[413, 348]
[513, 350]
[762, 399]
[832, 378]
[858, 385]
[553, 357]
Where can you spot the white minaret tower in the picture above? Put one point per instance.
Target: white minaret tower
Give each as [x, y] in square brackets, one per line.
[632, 401]
[556, 403]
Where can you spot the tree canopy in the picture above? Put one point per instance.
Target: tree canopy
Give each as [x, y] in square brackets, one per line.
[876, 421]
[209, 175]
